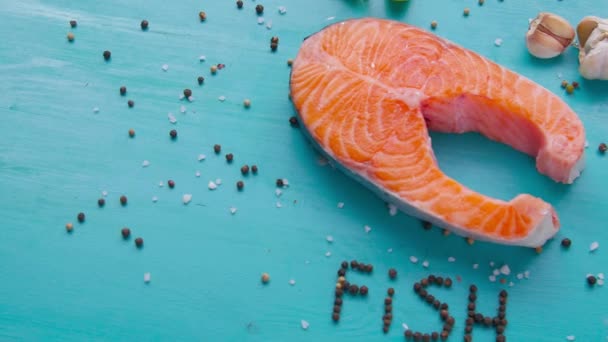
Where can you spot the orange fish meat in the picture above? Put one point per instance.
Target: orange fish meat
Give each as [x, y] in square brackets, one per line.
[367, 91]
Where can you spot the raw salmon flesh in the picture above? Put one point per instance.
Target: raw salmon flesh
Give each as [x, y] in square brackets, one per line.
[368, 90]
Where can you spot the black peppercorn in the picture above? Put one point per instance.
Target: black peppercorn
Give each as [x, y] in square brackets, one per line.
[566, 243]
[139, 242]
[254, 169]
[80, 217]
[130, 103]
[229, 157]
[101, 202]
[123, 90]
[293, 121]
[73, 23]
[217, 148]
[123, 200]
[274, 46]
[239, 4]
[126, 232]
[187, 93]
[363, 290]
[144, 24]
[245, 169]
[200, 80]
[173, 134]
[392, 273]
[107, 55]
[280, 182]
[240, 185]
[259, 9]
[171, 183]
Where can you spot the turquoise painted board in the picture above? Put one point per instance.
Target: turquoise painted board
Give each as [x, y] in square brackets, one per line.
[57, 156]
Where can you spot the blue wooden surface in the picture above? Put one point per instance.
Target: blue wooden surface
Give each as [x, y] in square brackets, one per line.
[57, 156]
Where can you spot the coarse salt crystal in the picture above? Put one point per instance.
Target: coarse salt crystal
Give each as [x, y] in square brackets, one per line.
[201, 157]
[329, 238]
[197, 174]
[145, 163]
[586, 143]
[218, 181]
[425, 264]
[222, 98]
[527, 274]
[520, 276]
[594, 246]
[269, 24]
[328, 254]
[260, 21]
[212, 185]
[413, 259]
[390, 250]
[331, 18]
[498, 42]
[232, 210]
[182, 109]
[492, 278]
[186, 198]
[190, 98]
[161, 184]
[496, 272]
[96, 110]
[405, 327]
[285, 182]
[292, 282]
[367, 229]
[511, 284]
[279, 205]
[304, 324]
[282, 10]
[475, 266]
[154, 199]
[451, 259]
[570, 337]
[340, 205]
[104, 193]
[172, 118]
[147, 277]
[278, 192]
[600, 282]
[491, 263]
[165, 67]
[392, 209]
[600, 275]
[505, 269]
[202, 58]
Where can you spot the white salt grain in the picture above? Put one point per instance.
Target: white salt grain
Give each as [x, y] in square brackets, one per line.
[367, 229]
[218, 181]
[232, 210]
[405, 327]
[190, 98]
[186, 198]
[282, 10]
[600, 282]
[269, 24]
[451, 259]
[413, 259]
[328, 254]
[586, 144]
[491, 263]
[570, 338]
[279, 205]
[201, 157]
[182, 109]
[202, 58]
[511, 284]
[165, 67]
[520, 276]
[594, 246]
[505, 269]
[222, 98]
[278, 192]
[292, 282]
[172, 118]
[285, 182]
[392, 209]
[331, 18]
[526, 274]
[260, 21]
[212, 185]
[340, 205]
[600, 276]
[104, 193]
[498, 42]
[96, 110]
[304, 324]
[197, 174]
[496, 272]
[425, 264]
[154, 199]
[161, 184]
[145, 163]
[475, 266]
[390, 250]
[492, 278]
[147, 277]
[329, 238]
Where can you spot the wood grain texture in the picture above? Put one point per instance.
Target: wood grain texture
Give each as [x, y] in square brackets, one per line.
[57, 156]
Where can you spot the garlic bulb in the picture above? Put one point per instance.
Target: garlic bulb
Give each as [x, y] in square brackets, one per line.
[548, 35]
[593, 54]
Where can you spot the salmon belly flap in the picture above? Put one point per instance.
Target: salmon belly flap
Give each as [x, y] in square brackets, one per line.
[369, 90]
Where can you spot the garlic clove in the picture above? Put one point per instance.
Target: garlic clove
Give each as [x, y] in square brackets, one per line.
[585, 27]
[593, 53]
[594, 66]
[548, 35]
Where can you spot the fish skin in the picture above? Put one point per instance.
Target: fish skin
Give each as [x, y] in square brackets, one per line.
[368, 104]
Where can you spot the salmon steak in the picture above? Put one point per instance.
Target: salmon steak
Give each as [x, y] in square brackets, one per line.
[367, 93]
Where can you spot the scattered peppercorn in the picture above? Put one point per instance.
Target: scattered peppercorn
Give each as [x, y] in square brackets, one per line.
[433, 24]
[69, 227]
[335, 316]
[575, 85]
[101, 202]
[240, 185]
[171, 183]
[470, 241]
[202, 15]
[70, 37]
[369, 268]
[566, 243]
[390, 291]
[131, 132]
[125, 232]
[245, 169]
[293, 121]
[139, 242]
[274, 46]
[448, 282]
[229, 157]
[187, 93]
[80, 217]
[466, 12]
[337, 308]
[107, 55]
[290, 62]
[569, 89]
[427, 225]
[123, 90]
[259, 9]
[564, 84]
[392, 273]
[217, 148]
[247, 103]
[363, 290]
[130, 103]
[338, 301]
[265, 278]
[254, 169]
[200, 80]
[602, 148]
[274, 39]
[239, 4]
[144, 24]
[481, 2]
[344, 264]
[591, 280]
[173, 134]
[280, 182]
[73, 23]
[123, 200]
